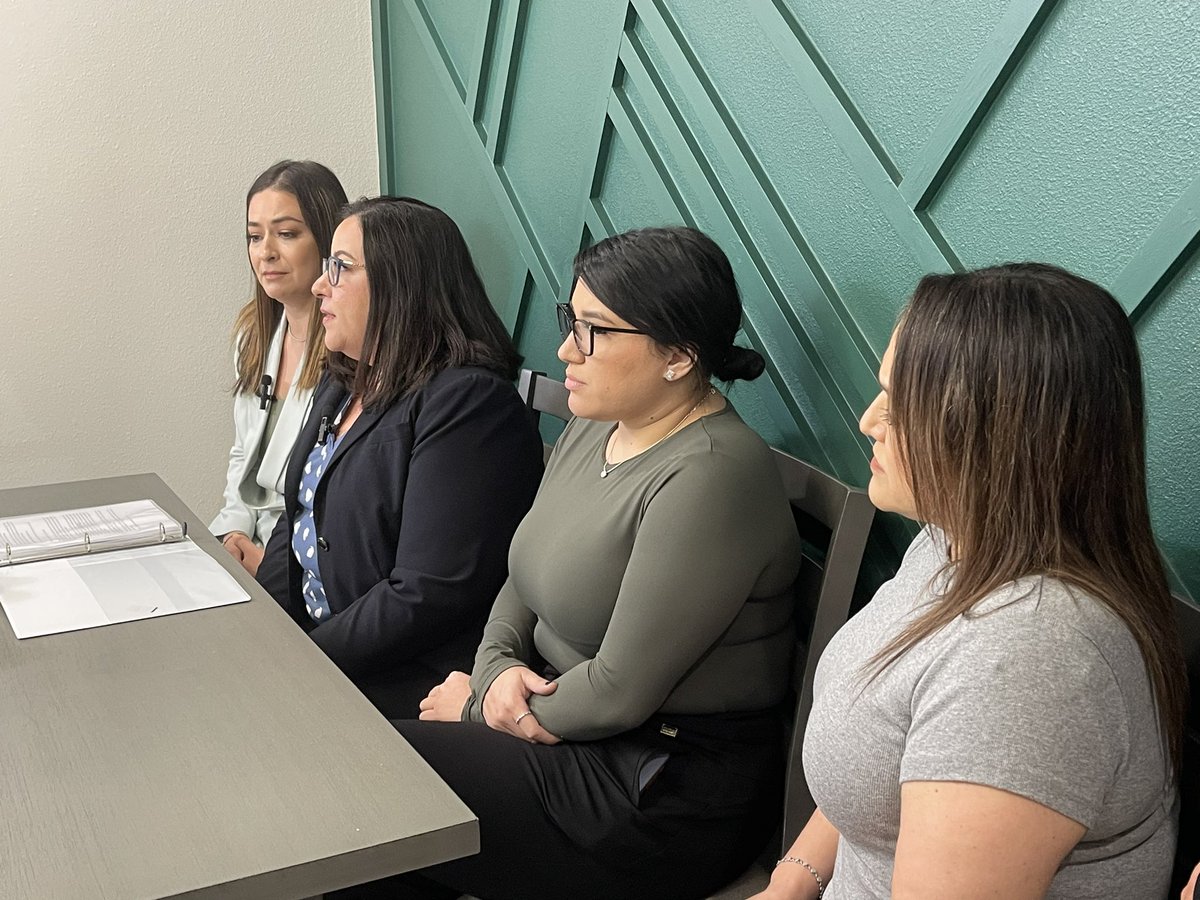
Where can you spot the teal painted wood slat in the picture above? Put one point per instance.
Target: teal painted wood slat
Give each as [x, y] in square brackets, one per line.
[855, 358]
[781, 314]
[517, 209]
[1161, 255]
[831, 82]
[485, 43]
[384, 101]
[1014, 34]
[847, 127]
[510, 31]
[651, 167]
[786, 413]
[532, 253]
[601, 139]
[439, 47]
[515, 321]
[597, 224]
[794, 355]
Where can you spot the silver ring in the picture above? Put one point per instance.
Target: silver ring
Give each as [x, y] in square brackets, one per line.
[518, 719]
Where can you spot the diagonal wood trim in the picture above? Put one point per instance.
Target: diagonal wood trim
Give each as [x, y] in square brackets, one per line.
[515, 320]
[510, 35]
[1168, 248]
[810, 369]
[846, 390]
[862, 149]
[515, 217]
[485, 46]
[995, 65]
[656, 176]
[783, 232]
[440, 46]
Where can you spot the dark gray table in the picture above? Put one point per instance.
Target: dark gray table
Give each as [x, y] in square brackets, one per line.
[211, 754]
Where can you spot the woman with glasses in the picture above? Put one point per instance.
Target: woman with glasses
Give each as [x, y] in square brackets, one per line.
[1005, 718]
[291, 211]
[618, 736]
[416, 464]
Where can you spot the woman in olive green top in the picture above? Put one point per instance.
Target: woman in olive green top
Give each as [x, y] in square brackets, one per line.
[619, 734]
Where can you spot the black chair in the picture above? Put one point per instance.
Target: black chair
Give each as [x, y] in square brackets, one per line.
[1187, 853]
[833, 520]
[544, 395]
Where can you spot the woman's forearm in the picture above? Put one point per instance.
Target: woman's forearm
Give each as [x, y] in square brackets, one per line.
[817, 846]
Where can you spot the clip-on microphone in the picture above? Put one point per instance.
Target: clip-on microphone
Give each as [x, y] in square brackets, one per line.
[264, 395]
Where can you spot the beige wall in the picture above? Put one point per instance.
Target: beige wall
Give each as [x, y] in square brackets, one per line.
[129, 133]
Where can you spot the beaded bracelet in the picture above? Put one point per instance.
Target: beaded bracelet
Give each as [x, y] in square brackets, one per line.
[813, 872]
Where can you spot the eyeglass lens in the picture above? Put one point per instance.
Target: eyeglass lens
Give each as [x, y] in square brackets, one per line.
[581, 331]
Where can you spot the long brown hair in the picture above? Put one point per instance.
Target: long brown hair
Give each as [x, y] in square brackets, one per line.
[1016, 399]
[320, 196]
[428, 308]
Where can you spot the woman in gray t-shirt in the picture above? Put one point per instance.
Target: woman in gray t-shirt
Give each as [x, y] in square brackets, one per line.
[1004, 718]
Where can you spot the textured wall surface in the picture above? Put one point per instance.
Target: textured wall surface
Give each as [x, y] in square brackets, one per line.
[837, 151]
[129, 133]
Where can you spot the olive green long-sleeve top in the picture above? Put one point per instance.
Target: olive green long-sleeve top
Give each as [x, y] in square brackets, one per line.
[663, 587]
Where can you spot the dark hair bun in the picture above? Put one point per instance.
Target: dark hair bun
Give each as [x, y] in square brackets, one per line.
[740, 363]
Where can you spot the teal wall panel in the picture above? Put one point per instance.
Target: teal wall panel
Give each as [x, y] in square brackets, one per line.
[1169, 333]
[837, 152]
[455, 28]
[898, 65]
[1092, 143]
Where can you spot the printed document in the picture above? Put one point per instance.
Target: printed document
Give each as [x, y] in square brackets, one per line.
[76, 592]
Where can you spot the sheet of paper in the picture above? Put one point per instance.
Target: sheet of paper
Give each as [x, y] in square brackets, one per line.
[78, 592]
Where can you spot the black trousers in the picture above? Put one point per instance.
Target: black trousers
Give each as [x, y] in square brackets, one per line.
[572, 821]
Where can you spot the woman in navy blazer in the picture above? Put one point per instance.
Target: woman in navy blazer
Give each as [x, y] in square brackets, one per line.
[416, 464]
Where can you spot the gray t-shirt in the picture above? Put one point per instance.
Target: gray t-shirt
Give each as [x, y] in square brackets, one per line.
[1040, 691]
[665, 586]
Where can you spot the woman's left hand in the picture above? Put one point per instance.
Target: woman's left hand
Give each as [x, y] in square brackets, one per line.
[446, 701]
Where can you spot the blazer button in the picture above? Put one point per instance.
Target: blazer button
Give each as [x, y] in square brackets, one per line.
[322, 543]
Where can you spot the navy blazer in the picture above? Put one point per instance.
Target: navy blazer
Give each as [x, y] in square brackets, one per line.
[414, 512]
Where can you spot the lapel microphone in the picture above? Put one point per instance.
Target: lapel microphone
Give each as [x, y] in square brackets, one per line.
[264, 395]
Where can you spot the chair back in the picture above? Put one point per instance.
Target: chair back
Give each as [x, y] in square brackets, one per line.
[1187, 853]
[833, 520]
[544, 395]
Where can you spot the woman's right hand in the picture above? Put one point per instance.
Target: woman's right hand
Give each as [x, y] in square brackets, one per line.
[506, 704]
[243, 549]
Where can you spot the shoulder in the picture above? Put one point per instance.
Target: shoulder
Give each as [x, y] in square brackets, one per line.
[721, 472]
[471, 397]
[1043, 645]
[467, 382]
[1048, 613]
[721, 449]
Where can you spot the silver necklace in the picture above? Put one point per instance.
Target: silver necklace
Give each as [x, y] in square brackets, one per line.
[609, 467]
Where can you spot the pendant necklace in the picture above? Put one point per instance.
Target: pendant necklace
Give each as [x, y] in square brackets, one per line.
[609, 467]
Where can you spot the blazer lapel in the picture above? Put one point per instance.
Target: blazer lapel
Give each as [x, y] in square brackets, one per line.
[325, 404]
[362, 425]
[278, 451]
[259, 416]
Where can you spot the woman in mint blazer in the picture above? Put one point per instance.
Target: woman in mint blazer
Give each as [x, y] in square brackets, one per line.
[291, 212]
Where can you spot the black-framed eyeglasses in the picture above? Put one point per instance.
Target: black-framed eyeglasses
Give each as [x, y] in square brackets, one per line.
[584, 332]
[333, 267]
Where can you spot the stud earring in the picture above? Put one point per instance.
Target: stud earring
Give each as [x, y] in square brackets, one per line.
[670, 376]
